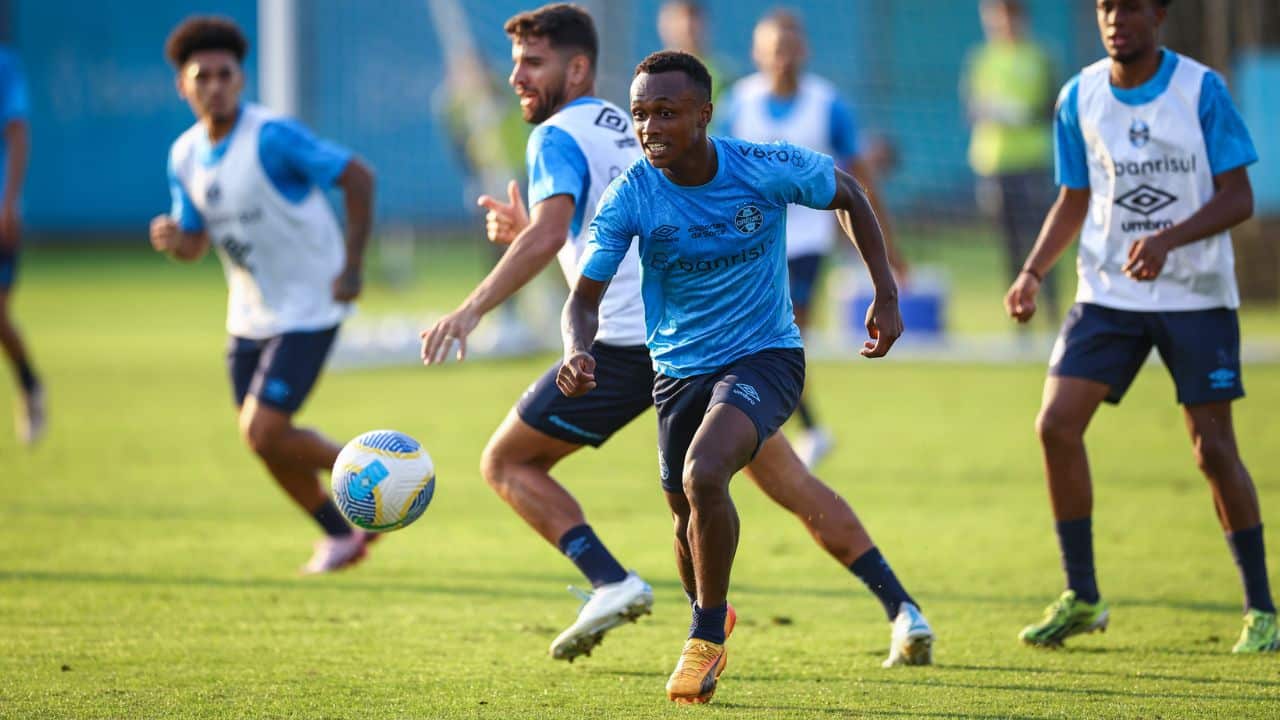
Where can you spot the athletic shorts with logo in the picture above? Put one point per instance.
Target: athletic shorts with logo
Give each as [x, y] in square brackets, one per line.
[624, 390]
[8, 269]
[279, 371]
[1200, 348]
[764, 385]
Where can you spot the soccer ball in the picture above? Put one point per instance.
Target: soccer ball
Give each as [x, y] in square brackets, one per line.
[383, 480]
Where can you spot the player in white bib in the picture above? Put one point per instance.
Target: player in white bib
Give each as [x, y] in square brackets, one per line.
[781, 102]
[251, 185]
[580, 144]
[1152, 161]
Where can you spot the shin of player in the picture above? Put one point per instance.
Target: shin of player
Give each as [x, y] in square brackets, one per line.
[251, 185]
[1152, 161]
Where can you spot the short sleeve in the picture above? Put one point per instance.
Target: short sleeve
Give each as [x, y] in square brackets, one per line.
[787, 173]
[557, 166]
[844, 130]
[181, 209]
[1070, 156]
[14, 102]
[1226, 138]
[293, 157]
[611, 232]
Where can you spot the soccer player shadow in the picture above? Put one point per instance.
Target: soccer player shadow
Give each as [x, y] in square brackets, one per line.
[1160, 693]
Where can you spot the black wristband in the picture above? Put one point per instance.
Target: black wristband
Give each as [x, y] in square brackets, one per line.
[1034, 274]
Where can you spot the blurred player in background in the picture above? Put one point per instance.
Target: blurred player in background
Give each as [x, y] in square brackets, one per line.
[15, 146]
[781, 102]
[1009, 92]
[580, 143]
[1152, 158]
[682, 26]
[251, 184]
[710, 214]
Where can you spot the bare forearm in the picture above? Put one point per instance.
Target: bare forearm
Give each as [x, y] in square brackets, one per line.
[863, 175]
[1225, 210]
[530, 253]
[1059, 230]
[357, 186]
[858, 221]
[579, 323]
[18, 147]
[191, 247]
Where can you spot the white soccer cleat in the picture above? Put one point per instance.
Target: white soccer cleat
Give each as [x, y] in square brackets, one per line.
[912, 640]
[335, 553]
[606, 608]
[30, 418]
[813, 445]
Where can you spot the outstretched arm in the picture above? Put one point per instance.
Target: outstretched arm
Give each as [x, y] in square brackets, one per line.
[858, 220]
[531, 251]
[1059, 230]
[357, 183]
[578, 325]
[1230, 205]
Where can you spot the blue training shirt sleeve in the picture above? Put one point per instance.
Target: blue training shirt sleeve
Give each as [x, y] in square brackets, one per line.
[557, 166]
[295, 159]
[844, 130]
[612, 232]
[181, 209]
[792, 174]
[1226, 138]
[1071, 159]
[14, 102]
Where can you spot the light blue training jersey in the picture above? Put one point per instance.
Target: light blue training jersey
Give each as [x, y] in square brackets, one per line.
[713, 266]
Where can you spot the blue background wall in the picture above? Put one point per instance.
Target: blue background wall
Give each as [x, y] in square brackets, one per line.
[105, 110]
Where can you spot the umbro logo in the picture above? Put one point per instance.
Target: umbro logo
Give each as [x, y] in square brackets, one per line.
[611, 119]
[746, 392]
[1222, 379]
[664, 233]
[1145, 200]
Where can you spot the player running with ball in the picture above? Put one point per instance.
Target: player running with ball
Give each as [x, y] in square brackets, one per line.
[1152, 158]
[710, 215]
[580, 144]
[251, 185]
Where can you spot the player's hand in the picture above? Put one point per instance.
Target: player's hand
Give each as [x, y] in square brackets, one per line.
[1020, 301]
[504, 221]
[347, 286]
[1146, 258]
[577, 375]
[10, 226]
[448, 335]
[884, 325]
[165, 235]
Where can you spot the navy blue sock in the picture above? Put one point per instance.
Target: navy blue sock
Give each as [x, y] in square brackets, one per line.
[581, 545]
[27, 377]
[1251, 558]
[872, 569]
[1075, 537]
[708, 623]
[330, 519]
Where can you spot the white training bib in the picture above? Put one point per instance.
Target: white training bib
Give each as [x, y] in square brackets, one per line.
[603, 133]
[1148, 170]
[280, 258]
[808, 124]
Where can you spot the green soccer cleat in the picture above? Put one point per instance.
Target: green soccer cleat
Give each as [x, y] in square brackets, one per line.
[1259, 634]
[1067, 616]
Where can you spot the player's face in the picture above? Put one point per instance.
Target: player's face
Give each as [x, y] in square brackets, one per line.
[680, 27]
[671, 116]
[1129, 28]
[538, 75]
[211, 82]
[778, 52]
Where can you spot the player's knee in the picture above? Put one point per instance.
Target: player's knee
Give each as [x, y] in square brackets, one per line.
[705, 479]
[261, 435]
[1055, 430]
[493, 467]
[1215, 456]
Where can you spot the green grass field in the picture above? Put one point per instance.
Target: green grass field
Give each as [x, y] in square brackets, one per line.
[148, 565]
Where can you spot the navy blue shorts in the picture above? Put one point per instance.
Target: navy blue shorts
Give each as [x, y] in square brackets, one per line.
[765, 385]
[279, 371]
[624, 387]
[802, 273]
[8, 269]
[1201, 349]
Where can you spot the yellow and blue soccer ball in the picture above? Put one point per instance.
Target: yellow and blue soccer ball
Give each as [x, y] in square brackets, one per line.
[383, 480]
